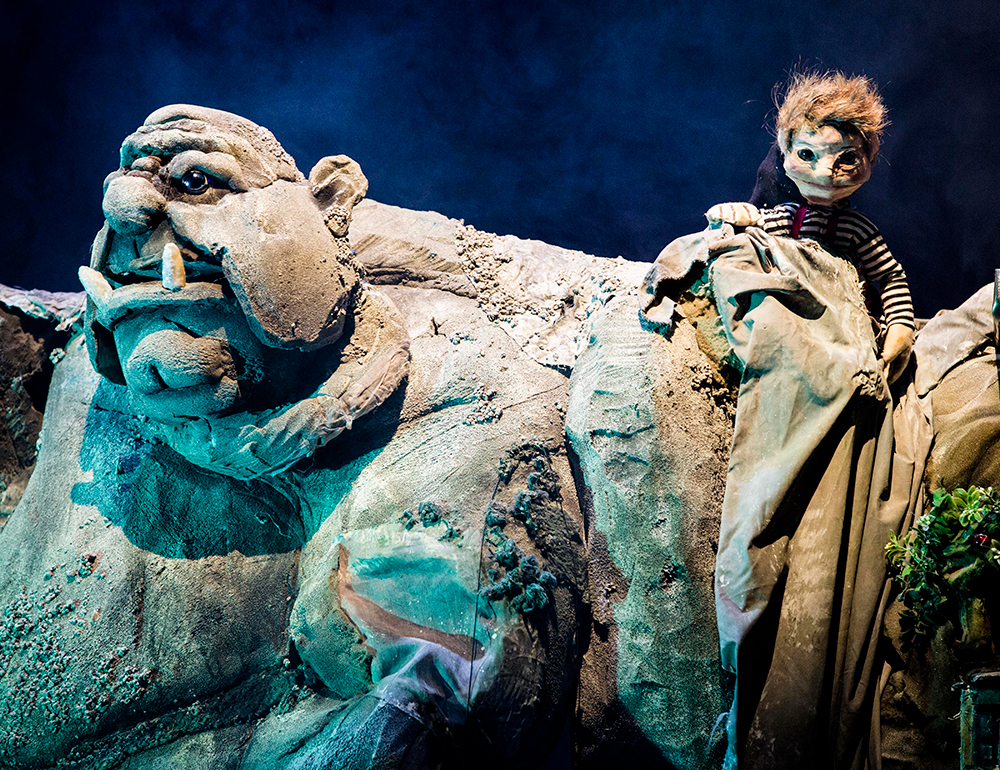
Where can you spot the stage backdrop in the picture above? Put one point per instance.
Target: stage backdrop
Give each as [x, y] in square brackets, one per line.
[604, 126]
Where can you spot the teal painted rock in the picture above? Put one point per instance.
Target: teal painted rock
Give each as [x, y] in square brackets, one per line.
[140, 605]
[34, 327]
[408, 595]
[651, 425]
[304, 501]
[947, 430]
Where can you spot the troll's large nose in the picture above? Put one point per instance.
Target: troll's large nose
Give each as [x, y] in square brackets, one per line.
[132, 205]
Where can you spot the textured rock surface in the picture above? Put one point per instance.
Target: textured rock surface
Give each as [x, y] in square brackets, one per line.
[136, 617]
[955, 391]
[541, 295]
[168, 621]
[34, 326]
[162, 632]
[170, 616]
[409, 248]
[252, 544]
[651, 427]
[427, 581]
[282, 518]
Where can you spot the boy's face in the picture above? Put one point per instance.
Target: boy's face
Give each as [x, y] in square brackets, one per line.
[827, 164]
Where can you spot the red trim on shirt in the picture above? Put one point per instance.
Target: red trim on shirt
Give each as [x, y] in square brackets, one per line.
[800, 214]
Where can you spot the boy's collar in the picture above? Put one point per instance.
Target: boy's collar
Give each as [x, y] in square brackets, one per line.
[843, 203]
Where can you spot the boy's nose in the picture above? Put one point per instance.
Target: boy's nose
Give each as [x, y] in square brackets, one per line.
[824, 168]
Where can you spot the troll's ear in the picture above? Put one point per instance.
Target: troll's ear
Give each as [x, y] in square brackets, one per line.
[338, 184]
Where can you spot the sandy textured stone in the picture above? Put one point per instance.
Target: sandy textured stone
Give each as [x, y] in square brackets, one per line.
[282, 518]
[169, 611]
[34, 326]
[651, 427]
[408, 248]
[955, 393]
[542, 295]
[123, 612]
[455, 549]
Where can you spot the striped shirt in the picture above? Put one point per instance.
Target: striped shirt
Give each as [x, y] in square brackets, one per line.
[854, 236]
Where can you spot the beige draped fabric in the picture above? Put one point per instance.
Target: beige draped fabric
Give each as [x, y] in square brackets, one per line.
[800, 570]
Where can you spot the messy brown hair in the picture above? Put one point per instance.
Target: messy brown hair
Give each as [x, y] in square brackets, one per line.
[813, 100]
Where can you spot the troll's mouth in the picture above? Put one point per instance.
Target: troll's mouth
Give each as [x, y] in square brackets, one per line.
[147, 272]
[172, 370]
[171, 359]
[111, 305]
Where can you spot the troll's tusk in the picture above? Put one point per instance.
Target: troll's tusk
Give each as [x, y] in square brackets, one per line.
[174, 277]
[96, 286]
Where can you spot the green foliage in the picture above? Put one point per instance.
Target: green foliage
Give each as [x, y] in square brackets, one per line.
[522, 581]
[950, 554]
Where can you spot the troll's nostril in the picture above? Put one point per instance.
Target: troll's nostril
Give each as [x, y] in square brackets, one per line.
[132, 205]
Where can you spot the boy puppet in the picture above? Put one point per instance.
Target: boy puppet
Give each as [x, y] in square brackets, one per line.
[800, 569]
[828, 128]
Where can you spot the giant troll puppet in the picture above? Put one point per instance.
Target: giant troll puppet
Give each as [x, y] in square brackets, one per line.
[264, 529]
[307, 502]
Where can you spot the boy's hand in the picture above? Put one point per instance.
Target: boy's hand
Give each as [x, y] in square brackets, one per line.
[896, 350]
[736, 214]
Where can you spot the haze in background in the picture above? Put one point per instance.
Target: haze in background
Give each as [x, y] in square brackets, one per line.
[608, 127]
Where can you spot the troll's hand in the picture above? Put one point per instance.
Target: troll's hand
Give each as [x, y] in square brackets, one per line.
[896, 350]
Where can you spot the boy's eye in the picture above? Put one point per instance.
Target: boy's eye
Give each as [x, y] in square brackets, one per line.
[849, 158]
[806, 154]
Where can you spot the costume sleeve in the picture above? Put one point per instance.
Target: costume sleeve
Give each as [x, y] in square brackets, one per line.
[879, 265]
[778, 221]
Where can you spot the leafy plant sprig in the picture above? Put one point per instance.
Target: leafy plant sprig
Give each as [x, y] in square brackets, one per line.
[951, 553]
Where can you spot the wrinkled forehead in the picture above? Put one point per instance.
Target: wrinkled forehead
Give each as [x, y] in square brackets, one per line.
[179, 128]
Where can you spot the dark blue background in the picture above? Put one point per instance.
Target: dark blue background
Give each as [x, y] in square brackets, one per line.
[608, 127]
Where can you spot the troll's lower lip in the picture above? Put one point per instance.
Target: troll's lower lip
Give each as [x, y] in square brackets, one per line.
[112, 305]
[172, 359]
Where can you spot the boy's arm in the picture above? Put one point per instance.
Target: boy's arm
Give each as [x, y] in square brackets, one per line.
[879, 264]
[737, 214]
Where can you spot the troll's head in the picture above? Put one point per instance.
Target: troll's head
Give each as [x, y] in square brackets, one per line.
[224, 296]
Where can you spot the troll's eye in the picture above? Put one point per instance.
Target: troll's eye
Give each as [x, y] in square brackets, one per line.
[806, 154]
[195, 182]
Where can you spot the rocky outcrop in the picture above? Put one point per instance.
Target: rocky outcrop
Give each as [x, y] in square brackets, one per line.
[34, 328]
[650, 424]
[451, 516]
[947, 430]
[470, 499]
